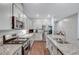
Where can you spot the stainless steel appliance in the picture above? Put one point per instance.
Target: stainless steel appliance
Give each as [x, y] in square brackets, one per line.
[49, 29]
[46, 30]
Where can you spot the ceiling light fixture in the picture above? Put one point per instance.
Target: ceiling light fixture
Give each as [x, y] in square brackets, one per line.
[48, 16]
[37, 15]
[65, 20]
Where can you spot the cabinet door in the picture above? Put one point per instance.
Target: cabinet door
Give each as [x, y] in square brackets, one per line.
[59, 52]
[32, 40]
[18, 52]
[52, 48]
[46, 42]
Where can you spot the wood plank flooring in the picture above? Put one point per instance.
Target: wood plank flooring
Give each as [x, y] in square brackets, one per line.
[39, 48]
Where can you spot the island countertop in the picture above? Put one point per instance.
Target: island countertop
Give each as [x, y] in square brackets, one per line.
[9, 49]
[66, 49]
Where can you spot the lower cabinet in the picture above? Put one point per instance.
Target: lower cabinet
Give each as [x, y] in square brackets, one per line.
[32, 40]
[58, 53]
[18, 52]
[52, 48]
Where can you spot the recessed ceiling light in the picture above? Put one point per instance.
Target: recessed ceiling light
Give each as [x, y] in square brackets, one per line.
[48, 16]
[65, 20]
[37, 15]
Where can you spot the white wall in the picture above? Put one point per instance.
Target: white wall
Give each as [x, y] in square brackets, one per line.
[37, 23]
[30, 23]
[27, 23]
[78, 26]
[5, 16]
[69, 26]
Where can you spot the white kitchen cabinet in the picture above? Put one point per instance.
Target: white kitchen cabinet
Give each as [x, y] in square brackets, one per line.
[18, 52]
[52, 48]
[35, 37]
[49, 46]
[58, 53]
[38, 36]
[32, 40]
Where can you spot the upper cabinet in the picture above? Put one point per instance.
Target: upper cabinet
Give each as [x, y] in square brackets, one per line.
[18, 17]
[12, 16]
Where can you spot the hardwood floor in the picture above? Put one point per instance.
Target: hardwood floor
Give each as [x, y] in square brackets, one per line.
[39, 48]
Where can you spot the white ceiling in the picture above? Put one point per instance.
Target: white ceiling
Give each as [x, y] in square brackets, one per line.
[58, 10]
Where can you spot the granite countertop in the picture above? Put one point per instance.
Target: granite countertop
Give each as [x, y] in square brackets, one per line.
[7, 32]
[26, 35]
[9, 49]
[66, 49]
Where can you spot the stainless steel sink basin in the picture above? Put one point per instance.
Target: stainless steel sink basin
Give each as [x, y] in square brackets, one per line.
[61, 42]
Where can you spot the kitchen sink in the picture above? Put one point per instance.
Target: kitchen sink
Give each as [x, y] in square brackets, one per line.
[61, 42]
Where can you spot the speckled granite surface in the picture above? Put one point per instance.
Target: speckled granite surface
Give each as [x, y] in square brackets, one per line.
[9, 49]
[67, 49]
